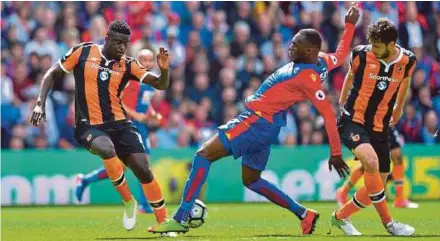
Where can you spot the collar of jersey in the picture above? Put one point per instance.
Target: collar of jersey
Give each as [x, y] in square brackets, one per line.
[313, 66]
[107, 62]
[388, 65]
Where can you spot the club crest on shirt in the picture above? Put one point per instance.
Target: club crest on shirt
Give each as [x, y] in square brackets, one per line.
[373, 66]
[313, 77]
[354, 137]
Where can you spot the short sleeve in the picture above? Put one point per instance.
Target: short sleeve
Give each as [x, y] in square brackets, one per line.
[71, 58]
[409, 69]
[137, 71]
[353, 61]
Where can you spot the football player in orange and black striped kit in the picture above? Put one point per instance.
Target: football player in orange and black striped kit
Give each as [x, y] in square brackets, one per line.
[374, 94]
[102, 125]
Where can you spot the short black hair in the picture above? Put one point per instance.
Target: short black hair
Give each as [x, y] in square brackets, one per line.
[382, 31]
[313, 37]
[119, 26]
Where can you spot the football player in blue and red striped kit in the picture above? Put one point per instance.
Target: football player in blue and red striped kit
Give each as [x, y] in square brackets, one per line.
[136, 100]
[251, 134]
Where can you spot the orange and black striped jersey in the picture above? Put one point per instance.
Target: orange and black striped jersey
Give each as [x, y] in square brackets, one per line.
[99, 83]
[375, 86]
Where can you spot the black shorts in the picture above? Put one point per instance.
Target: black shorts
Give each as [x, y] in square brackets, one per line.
[354, 134]
[123, 134]
[395, 139]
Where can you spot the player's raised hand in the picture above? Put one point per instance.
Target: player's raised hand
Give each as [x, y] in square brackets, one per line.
[38, 113]
[163, 59]
[339, 165]
[352, 16]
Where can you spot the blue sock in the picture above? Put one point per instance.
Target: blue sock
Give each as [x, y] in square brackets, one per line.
[196, 179]
[95, 175]
[278, 197]
[143, 201]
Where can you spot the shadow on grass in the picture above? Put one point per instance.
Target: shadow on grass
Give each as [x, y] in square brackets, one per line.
[145, 238]
[389, 236]
[340, 236]
[265, 236]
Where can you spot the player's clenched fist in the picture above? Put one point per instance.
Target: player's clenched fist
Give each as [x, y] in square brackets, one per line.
[37, 114]
[352, 16]
[163, 59]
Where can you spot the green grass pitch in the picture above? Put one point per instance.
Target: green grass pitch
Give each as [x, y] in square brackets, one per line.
[262, 221]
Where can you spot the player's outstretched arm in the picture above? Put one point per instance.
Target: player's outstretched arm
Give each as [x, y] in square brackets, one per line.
[315, 93]
[162, 81]
[336, 59]
[39, 112]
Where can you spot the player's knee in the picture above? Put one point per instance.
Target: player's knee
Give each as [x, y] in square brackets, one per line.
[397, 158]
[144, 176]
[249, 179]
[140, 166]
[205, 153]
[371, 164]
[104, 147]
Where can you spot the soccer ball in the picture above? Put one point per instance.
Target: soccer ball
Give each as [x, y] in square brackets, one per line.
[198, 214]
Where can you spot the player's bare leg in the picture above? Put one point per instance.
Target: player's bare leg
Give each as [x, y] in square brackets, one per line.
[374, 189]
[210, 152]
[104, 147]
[84, 180]
[342, 192]
[252, 180]
[139, 164]
[400, 200]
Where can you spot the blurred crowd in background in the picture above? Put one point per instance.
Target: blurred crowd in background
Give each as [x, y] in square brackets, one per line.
[221, 52]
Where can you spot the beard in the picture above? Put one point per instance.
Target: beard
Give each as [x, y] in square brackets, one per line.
[384, 55]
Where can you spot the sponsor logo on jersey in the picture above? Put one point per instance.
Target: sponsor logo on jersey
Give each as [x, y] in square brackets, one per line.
[104, 76]
[104, 69]
[382, 85]
[383, 78]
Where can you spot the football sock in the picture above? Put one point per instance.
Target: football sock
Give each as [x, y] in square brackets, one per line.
[398, 176]
[277, 196]
[154, 196]
[354, 177]
[376, 191]
[196, 179]
[359, 201]
[115, 171]
[141, 198]
[95, 175]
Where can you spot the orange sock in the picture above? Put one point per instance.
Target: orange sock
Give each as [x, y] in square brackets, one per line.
[360, 200]
[115, 171]
[154, 196]
[355, 174]
[398, 176]
[376, 191]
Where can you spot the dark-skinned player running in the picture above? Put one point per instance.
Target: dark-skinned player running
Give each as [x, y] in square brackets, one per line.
[251, 134]
[102, 124]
